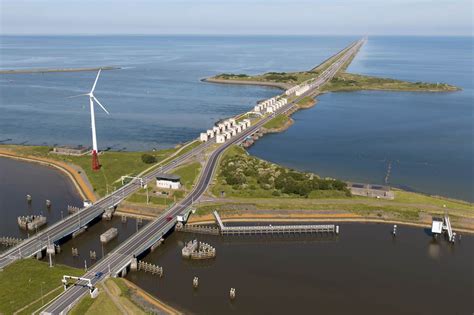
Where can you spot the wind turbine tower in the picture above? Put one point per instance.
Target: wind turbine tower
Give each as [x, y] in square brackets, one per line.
[92, 100]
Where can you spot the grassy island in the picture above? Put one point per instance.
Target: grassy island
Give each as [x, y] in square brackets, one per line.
[352, 82]
[249, 188]
[343, 81]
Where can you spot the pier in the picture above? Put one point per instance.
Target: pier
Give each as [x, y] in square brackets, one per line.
[275, 229]
[10, 241]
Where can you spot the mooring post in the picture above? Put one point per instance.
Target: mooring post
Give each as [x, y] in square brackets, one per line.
[394, 230]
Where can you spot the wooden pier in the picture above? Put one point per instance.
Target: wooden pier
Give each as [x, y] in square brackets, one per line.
[275, 229]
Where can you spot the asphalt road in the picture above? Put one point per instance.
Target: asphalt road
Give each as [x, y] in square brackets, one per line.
[133, 246]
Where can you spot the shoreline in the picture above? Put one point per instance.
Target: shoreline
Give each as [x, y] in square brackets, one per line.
[351, 218]
[151, 299]
[282, 86]
[47, 70]
[80, 185]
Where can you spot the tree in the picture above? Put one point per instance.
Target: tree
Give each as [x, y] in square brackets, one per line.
[148, 158]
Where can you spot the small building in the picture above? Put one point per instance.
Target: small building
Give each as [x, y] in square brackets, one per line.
[232, 122]
[270, 109]
[216, 130]
[238, 128]
[247, 122]
[203, 137]
[220, 138]
[233, 131]
[221, 127]
[437, 225]
[227, 124]
[210, 133]
[71, 150]
[228, 135]
[168, 181]
[243, 125]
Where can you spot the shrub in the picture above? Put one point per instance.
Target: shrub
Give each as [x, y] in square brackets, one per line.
[148, 158]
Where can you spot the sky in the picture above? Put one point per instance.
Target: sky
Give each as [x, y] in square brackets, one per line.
[254, 17]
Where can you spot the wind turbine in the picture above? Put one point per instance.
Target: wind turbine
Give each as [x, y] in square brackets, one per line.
[92, 99]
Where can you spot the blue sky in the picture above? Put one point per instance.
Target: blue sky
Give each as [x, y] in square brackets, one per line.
[319, 17]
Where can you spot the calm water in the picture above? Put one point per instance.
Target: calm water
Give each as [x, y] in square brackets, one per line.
[364, 269]
[157, 100]
[426, 137]
[17, 179]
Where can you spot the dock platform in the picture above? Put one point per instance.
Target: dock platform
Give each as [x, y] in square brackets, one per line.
[275, 229]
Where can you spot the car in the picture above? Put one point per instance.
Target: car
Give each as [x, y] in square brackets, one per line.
[99, 274]
[169, 218]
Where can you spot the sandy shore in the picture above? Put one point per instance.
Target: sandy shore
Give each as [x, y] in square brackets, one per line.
[81, 186]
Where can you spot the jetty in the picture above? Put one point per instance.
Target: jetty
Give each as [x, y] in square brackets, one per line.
[275, 229]
[31, 222]
[10, 241]
[198, 250]
[108, 235]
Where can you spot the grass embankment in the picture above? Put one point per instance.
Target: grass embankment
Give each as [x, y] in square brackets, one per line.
[23, 282]
[241, 175]
[114, 164]
[291, 78]
[117, 295]
[249, 190]
[188, 174]
[278, 123]
[352, 82]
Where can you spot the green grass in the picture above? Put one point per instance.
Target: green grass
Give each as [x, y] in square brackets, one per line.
[114, 164]
[188, 173]
[22, 281]
[277, 122]
[306, 101]
[291, 78]
[350, 82]
[244, 176]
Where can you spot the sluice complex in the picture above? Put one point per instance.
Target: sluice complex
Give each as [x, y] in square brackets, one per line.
[218, 139]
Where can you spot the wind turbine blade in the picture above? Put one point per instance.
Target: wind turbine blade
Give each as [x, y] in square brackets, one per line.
[77, 95]
[95, 82]
[97, 101]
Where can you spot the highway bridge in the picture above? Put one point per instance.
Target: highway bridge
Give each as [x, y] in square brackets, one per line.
[114, 263]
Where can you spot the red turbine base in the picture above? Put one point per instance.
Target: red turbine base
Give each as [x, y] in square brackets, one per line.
[95, 161]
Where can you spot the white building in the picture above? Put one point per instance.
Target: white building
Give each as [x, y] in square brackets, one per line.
[270, 110]
[216, 130]
[220, 138]
[203, 137]
[246, 122]
[233, 131]
[228, 135]
[221, 127]
[232, 122]
[238, 128]
[168, 181]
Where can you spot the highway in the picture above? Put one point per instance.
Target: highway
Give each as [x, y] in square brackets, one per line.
[122, 255]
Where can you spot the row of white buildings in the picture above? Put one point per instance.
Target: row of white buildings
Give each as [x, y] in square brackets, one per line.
[277, 105]
[298, 89]
[270, 105]
[225, 130]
